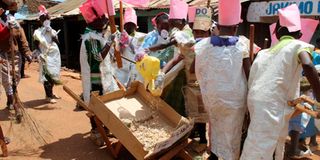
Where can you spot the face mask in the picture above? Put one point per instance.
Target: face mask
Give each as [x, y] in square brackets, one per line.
[46, 23]
[164, 34]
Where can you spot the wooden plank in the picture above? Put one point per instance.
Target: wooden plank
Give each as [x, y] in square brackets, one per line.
[133, 88]
[76, 98]
[120, 85]
[111, 96]
[251, 42]
[112, 24]
[184, 155]
[105, 137]
[121, 16]
[3, 144]
[117, 148]
[4, 148]
[117, 128]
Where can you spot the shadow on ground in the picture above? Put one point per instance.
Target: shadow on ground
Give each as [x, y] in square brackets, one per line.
[40, 104]
[76, 143]
[35, 103]
[4, 115]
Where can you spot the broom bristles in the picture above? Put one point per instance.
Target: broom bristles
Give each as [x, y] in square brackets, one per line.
[36, 130]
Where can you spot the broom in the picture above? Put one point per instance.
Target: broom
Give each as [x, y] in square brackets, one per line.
[16, 101]
[3, 144]
[19, 107]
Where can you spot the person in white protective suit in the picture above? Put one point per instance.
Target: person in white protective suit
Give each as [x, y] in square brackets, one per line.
[222, 66]
[95, 58]
[176, 72]
[274, 80]
[46, 40]
[130, 42]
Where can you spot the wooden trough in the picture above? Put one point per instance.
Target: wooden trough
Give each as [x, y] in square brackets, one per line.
[120, 110]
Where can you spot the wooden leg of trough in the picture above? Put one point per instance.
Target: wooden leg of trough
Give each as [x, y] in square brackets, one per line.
[184, 155]
[105, 137]
[117, 148]
[4, 148]
[175, 151]
[3, 144]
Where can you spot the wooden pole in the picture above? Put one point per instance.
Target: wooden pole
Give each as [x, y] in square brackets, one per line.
[208, 3]
[120, 85]
[3, 144]
[121, 16]
[76, 97]
[17, 105]
[265, 44]
[251, 42]
[114, 30]
[129, 60]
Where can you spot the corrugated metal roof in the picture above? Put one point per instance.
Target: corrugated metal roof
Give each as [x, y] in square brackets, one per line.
[71, 7]
[65, 7]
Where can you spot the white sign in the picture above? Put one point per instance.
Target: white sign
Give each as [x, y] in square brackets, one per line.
[266, 9]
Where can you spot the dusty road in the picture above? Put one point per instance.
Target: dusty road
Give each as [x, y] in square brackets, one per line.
[65, 131]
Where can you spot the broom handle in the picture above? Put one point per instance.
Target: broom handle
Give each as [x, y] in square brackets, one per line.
[251, 42]
[121, 16]
[129, 60]
[76, 98]
[120, 85]
[14, 87]
[3, 144]
[113, 30]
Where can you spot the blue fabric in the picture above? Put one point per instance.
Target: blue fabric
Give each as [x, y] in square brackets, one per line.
[150, 39]
[220, 41]
[310, 131]
[316, 58]
[311, 128]
[296, 125]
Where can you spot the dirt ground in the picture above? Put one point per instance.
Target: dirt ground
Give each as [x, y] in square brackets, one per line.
[64, 132]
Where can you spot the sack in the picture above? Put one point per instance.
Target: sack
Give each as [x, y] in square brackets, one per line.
[4, 32]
